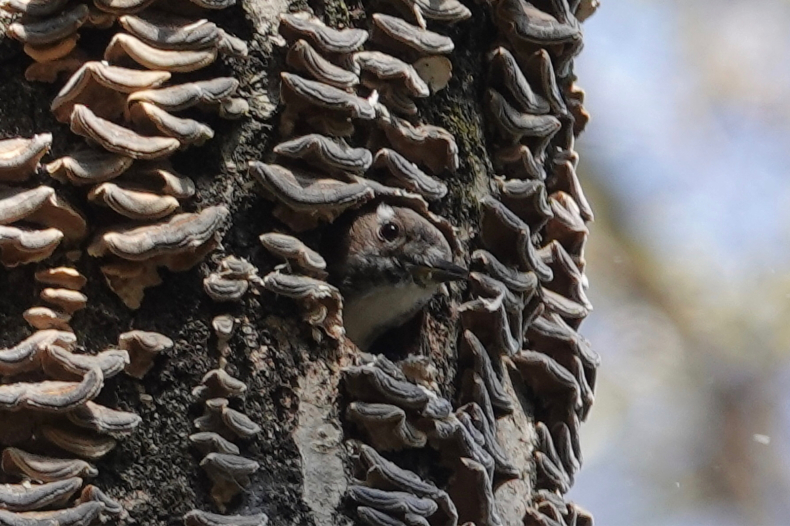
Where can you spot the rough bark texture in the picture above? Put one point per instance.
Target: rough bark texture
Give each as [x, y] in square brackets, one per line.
[294, 391]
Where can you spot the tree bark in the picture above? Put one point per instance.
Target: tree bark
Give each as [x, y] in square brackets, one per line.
[295, 384]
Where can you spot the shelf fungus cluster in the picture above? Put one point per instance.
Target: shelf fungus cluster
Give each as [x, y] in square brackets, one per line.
[301, 277]
[130, 107]
[34, 221]
[394, 412]
[527, 288]
[354, 86]
[50, 32]
[61, 293]
[351, 134]
[219, 426]
[54, 430]
[389, 495]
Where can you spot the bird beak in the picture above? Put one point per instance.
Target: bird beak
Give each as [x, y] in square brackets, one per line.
[439, 271]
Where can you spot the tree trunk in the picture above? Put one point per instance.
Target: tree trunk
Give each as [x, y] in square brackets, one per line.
[297, 375]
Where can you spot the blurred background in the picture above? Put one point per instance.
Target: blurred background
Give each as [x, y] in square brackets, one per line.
[686, 164]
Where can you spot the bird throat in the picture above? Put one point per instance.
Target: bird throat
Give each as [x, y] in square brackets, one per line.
[384, 307]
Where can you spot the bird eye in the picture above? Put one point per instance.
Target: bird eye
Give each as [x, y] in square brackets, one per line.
[389, 231]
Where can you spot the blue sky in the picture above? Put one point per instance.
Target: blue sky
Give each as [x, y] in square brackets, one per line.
[691, 136]
[696, 149]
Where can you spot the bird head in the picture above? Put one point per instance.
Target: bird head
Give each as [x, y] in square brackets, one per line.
[387, 262]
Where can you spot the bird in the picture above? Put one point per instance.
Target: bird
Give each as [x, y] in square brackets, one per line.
[388, 262]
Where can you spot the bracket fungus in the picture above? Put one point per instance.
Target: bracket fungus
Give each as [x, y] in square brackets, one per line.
[67, 300]
[567, 225]
[153, 119]
[133, 203]
[406, 174]
[425, 144]
[124, 48]
[379, 473]
[19, 157]
[19, 497]
[322, 302]
[231, 280]
[395, 33]
[496, 317]
[392, 502]
[506, 72]
[177, 244]
[51, 29]
[62, 413]
[569, 281]
[168, 32]
[217, 383]
[204, 518]
[162, 179]
[212, 93]
[310, 194]
[518, 162]
[41, 205]
[124, 115]
[143, 347]
[45, 318]
[325, 153]
[303, 25]
[302, 57]
[515, 125]
[104, 87]
[485, 424]
[211, 442]
[526, 198]
[551, 509]
[26, 355]
[295, 253]
[381, 382]
[88, 166]
[82, 513]
[301, 95]
[120, 140]
[228, 470]
[388, 69]
[87, 445]
[20, 246]
[17, 462]
[566, 180]
[50, 395]
[515, 280]
[229, 423]
[386, 425]
[103, 419]
[472, 488]
[484, 369]
[38, 8]
[447, 11]
[229, 473]
[222, 289]
[62, 364]
[522, 22]
[509, 239]
[117, 7]
[520, 313]
[552, 470]
[224, 326]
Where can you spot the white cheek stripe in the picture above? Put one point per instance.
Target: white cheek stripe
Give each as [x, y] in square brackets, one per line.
[385, 212]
